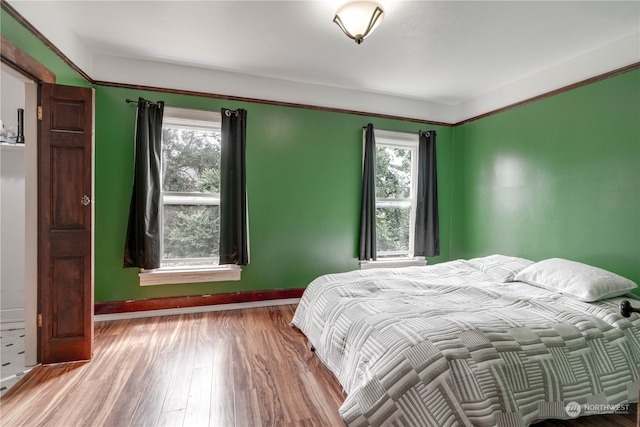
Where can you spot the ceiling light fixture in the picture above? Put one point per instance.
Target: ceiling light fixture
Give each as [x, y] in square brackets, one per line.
[358, 18]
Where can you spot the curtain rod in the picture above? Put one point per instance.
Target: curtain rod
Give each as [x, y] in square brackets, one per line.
[227, 112]
[131, 101]
[420, 132]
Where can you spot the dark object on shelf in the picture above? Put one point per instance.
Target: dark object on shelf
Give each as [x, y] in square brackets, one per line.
[20, 137]
[626, 309]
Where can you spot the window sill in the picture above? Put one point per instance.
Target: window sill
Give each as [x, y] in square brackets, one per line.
[180, 275]
[394, 263]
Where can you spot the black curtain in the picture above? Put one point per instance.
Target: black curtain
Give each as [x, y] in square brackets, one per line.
[234, 232]
[427, 235]
[367, 250]
[142, 243]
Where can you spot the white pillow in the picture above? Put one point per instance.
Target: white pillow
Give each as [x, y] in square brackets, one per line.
[501, 267]
[585, 282]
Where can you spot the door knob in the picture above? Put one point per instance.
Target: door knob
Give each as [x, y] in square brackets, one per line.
[85, 200]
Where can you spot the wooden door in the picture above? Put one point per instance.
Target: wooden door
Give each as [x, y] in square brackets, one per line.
[65, 197]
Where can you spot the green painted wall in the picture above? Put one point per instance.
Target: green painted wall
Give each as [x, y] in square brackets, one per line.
[559, 177]
[25, 40]
[303, 184]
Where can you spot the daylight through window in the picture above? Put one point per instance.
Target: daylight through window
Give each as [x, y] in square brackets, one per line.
[190, 211]
[396, 181]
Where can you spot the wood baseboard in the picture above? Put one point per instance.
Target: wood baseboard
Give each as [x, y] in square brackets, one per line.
[113, 307]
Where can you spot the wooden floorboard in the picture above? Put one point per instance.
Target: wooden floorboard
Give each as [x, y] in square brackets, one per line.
[239, 368]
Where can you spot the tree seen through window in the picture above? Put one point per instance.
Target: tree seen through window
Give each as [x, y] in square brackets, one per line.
[191, 192]
[393, 204]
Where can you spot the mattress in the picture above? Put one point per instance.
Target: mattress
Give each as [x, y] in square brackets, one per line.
[449, 345]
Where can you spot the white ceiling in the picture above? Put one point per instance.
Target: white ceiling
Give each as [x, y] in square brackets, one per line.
[436, 60]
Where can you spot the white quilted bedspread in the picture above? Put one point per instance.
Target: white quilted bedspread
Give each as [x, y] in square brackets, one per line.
[447, 345]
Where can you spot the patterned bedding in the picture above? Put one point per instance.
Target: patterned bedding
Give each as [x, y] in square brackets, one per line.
[450, 345]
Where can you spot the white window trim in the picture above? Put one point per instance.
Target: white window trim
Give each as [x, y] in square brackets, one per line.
[183, 116]
[189, 274]
[418, 261]
[404, 140]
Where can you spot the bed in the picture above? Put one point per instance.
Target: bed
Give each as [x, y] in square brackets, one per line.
[490, 341]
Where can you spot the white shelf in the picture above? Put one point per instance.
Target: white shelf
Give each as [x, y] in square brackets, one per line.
[5, 146]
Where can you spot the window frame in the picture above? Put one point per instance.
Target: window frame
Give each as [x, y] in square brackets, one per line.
[192, 119]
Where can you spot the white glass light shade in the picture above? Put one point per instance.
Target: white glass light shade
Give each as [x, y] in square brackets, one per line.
[358, 18]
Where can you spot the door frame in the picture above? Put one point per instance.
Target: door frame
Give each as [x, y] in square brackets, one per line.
[31, 295]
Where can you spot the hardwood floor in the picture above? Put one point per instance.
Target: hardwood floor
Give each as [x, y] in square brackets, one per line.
[229, 368]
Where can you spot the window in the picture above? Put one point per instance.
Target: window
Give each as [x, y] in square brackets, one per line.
[189, 211]
[190, 193]
[396, 184]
